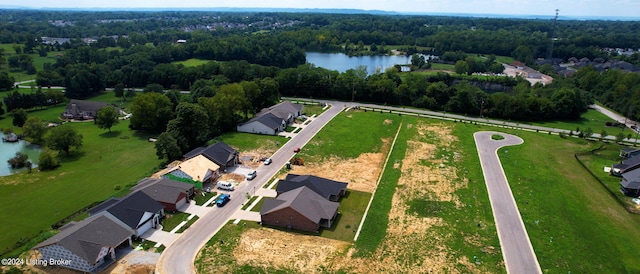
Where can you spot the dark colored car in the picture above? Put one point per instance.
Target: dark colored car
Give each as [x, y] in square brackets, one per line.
[296, 150]
[223, 199]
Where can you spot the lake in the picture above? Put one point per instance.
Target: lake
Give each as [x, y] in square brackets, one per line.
[8, 151]
[342, 62]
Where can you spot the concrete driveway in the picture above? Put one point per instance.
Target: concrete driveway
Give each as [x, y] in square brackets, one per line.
[517, 251]
[160, 237]
[192, 208]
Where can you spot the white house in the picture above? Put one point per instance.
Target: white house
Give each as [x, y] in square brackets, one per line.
[264, 124]
[273, 119]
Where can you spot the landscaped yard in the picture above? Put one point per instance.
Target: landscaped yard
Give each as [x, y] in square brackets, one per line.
[172, 220]
[105, 166]
[203, 197]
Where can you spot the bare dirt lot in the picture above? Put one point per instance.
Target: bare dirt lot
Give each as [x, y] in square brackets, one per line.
[413, 244]
[361, 173]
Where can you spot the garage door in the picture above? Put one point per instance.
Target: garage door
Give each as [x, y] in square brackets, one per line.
[181, 203]
[146, 226]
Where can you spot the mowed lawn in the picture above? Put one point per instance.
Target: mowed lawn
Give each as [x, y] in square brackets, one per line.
[31, 203]
[591, 119]
[573, 223]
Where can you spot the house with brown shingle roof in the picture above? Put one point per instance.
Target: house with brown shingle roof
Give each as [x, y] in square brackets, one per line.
[299, 209]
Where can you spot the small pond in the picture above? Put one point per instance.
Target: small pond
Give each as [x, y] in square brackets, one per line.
[8, 150]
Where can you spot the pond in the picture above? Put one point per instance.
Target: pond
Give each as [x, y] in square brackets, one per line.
[342, 62]
[8, 150]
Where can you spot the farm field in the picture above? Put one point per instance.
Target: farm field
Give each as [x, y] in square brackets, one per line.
[431, 211]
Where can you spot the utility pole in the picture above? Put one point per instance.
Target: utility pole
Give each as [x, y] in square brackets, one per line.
[553, 36]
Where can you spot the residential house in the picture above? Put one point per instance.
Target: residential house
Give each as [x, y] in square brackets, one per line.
[625, 166]
[84, 110]
[329, 189]
[137, 210]
[273, 119]
[220, 153]
[268, 124]
[198, 168]
[171, 194]
[300, 209]
[88, 245]
[630, 183]
[629, 152]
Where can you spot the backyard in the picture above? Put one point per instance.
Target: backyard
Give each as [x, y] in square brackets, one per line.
[121, 157]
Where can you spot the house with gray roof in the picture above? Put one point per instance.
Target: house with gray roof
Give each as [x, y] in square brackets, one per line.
[299, 209]
[220, 153]
[273, 119]
[625, 166]
[628, 152]
[88, 245]
[137, 210]
[268, 124]
[630, 183]
[171, 194]
[328, 189]
[84, 110]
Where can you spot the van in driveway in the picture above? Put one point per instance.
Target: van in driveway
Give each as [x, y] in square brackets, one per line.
[224, 185]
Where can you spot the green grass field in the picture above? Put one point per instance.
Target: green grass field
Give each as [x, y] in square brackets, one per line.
[591, 119]
[338, 138]
[573, 223]
[247, 141]
[32, 202]
[193, 62]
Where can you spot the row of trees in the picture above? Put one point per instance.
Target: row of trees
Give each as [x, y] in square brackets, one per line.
[17, 100]
[616, 89]
[441, 92]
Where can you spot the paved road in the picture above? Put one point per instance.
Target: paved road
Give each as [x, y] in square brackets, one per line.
[517, 251]
[179, 257]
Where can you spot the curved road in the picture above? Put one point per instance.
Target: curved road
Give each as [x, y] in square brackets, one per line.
[517, 251]
[179, 257]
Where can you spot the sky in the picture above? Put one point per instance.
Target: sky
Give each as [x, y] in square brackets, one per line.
[568, 8]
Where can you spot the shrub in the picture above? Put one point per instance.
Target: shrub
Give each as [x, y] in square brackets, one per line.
[19, 161]
[47, 160]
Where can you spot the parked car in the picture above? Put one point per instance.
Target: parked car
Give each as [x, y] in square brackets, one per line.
[223, 199]
[296, 150]
[251, 175]
[225, 185]
[267, 161]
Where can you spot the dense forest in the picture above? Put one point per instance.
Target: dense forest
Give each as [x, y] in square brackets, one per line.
[256, 57]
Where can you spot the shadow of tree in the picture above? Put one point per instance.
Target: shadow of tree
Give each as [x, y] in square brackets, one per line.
[110, 134]
[73, 156]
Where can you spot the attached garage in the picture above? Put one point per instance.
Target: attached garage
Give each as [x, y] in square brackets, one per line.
[181, 202]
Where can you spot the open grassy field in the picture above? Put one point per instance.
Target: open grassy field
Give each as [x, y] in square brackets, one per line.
[193, 62]
[38, 62]
[573, 223]
[591, 119]
[103, 167]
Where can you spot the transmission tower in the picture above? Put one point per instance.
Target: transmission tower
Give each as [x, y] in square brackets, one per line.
[553, 36]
